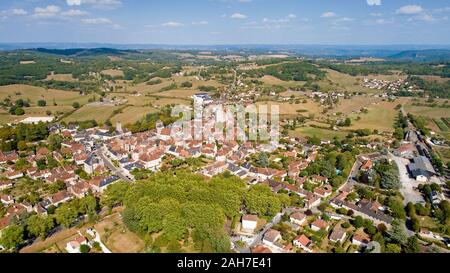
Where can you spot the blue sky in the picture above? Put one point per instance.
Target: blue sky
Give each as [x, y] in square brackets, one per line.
[226, 21]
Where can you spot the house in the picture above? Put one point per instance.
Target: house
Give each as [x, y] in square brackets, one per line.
[271, 237]
[317, 179]
[367, 165]
[100, 183]
[361, 239]
[5, 185]
[260, 249]
[405, 151]
[7, 200]
[59, 198]
[91, 163]
[319, 224]
[421, 169]
[202, 99]
[324, 191]
[338, 235]
[11, 175]
[298, 218]
[303, 242]
[74, 245]
[312, 201]
[249, 223]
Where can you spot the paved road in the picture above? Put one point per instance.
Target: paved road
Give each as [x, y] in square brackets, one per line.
[111, 166]
[408, 184]
[274, 221]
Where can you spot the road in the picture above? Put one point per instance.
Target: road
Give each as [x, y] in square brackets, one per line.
[260, 235]
[407, 184]
[111, 166]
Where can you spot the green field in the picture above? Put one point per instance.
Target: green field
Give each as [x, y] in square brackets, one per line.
[320, 133]
[98, 113]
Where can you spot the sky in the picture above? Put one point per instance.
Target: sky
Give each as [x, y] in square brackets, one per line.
[208, 22]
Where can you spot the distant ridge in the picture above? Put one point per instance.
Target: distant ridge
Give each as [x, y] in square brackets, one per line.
[80, 52]
[430, 55]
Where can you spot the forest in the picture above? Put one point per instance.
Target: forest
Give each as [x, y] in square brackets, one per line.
[183, 207]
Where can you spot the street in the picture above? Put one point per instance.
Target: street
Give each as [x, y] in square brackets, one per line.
[111, 166]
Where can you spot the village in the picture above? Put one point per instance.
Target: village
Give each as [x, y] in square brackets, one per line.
[340, 215]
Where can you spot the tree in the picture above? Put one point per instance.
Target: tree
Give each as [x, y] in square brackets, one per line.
[39, 226]
[263, 160]
[412, 245]
[358, 222]
[260, 200]
[66, 214]
[41, 103]
[85, 249]
[19, 112]
[12, 237]
[76, 105]
[393, 248]
[54, 142]
[398, 232]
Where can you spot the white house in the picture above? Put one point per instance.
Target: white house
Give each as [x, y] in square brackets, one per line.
[303, 242]
[298, 218]
[249, 223]
[74, 245]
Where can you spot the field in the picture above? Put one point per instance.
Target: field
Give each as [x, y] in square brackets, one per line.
[113, 72]
[430, 112]
[178, 93]
[132, 114]
[116, 236]
[98, 113]
[19, 91]
[113, 233]
[381, 117]
[287, 109]
[318, 132]
[61, 77]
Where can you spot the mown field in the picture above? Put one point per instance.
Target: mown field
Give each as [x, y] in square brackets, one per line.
[20, 91]
[132, 114]
[97, 113]
[317, 132]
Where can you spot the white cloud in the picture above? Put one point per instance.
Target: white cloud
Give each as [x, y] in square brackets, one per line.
[244, 1]
[292, 16]
[47, 12]
[238, 16]
[328, 14]
[410, 9]
[200, 23]
[18, 12]
[74, 12]
[101, 21]
[97, 21]
[374, 2]
[99, 4]
[172, 24]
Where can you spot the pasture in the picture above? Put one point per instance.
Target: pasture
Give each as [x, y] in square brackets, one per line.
[97, 113]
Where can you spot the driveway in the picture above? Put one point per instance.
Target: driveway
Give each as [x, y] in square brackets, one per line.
[407, 184]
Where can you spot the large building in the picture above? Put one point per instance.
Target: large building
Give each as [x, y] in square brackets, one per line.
[421, 169]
